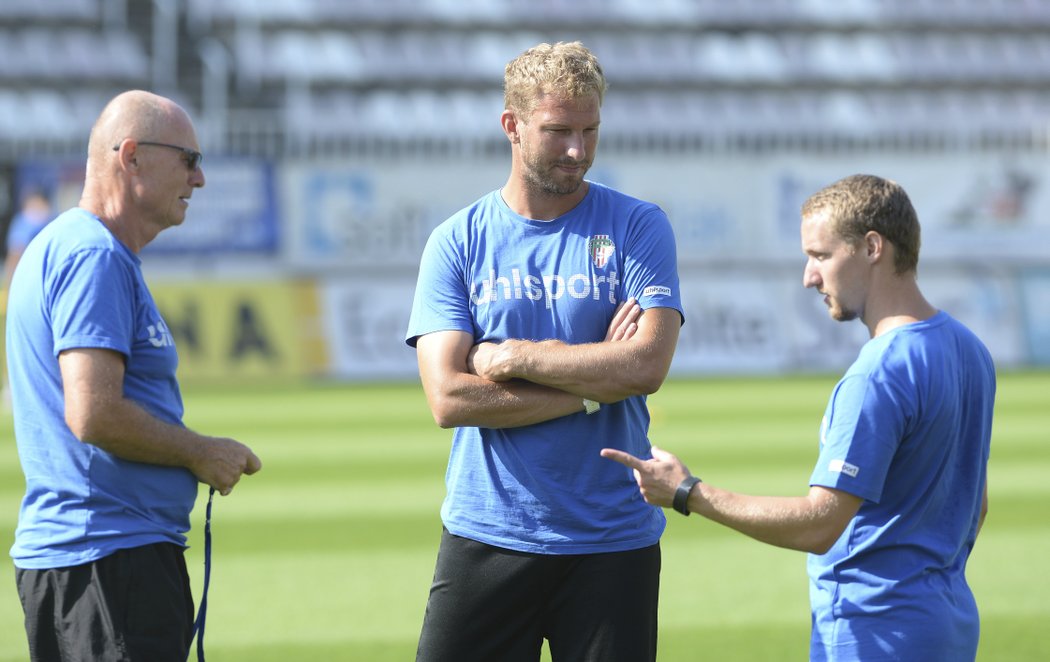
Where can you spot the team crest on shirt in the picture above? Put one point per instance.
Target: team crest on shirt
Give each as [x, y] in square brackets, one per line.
[600, 247]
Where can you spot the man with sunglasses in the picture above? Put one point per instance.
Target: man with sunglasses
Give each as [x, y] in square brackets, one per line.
[111, 471]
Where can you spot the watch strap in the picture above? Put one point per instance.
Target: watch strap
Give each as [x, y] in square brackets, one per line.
[681, 495]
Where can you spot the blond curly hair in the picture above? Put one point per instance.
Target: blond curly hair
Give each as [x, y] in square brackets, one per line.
[566, 69]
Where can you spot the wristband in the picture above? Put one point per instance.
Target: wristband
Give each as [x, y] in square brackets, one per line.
[681, 495]
[590, 406]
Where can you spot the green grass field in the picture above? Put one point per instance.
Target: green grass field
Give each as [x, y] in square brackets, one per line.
[327, 553]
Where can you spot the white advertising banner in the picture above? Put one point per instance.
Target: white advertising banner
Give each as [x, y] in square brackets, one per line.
[360, 229]
[1035, 290]
[736, 322]
[985, 207]
[987, 301]
[378, 213]
[364, 319]
[759, 323]
[723, 208]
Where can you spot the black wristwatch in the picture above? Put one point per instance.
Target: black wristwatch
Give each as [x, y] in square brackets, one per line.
[681, 495]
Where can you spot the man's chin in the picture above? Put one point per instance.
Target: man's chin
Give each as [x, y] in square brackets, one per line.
[563, 188]
[840, 315]
[175, 221]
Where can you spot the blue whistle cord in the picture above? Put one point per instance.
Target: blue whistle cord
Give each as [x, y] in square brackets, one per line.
[202, 611]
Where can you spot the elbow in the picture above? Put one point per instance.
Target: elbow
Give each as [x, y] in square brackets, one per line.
[445, 415]
[93, 421]
[442, 418]
[83, 425]
[650, 386]
[815, 543]
[820, 546]
[822, 540]
[650, 371]
[649, 380]
[444, 422]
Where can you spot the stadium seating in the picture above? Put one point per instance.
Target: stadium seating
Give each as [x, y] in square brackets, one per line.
[409, 69]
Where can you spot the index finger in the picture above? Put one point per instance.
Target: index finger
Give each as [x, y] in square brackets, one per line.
[623, 458]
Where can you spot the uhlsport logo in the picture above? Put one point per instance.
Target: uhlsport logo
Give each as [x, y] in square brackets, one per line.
[600, 247]
[841, 466]
[546, 287]
[159, 336]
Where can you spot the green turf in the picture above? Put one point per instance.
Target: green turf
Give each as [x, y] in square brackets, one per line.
[327, 554]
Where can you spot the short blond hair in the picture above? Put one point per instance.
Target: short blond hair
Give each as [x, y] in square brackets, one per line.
[859, 204]
[566, 69]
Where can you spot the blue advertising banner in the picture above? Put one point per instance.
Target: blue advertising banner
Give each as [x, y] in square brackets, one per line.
[235, 212]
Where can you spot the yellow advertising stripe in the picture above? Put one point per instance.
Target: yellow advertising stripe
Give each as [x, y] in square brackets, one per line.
[231, 330]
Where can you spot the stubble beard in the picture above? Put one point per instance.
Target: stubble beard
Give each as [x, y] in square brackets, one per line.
[840, 314]
[541, 178]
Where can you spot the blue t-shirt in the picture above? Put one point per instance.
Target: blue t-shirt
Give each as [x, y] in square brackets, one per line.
[496, 275]
[77, 286]
[908, 429]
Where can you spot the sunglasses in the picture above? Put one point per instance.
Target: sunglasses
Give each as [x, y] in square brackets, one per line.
[193, 157]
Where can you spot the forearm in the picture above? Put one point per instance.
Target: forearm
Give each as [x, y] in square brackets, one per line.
[98, 413]
[131, 433]
[811, 523]
[801, 523]
[603, 371]
[467, 400]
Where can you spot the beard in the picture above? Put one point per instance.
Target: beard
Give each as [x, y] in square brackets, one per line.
[840, 314]
[543, 177]
[548, 182]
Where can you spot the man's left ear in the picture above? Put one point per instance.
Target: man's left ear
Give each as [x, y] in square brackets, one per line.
[873, 243]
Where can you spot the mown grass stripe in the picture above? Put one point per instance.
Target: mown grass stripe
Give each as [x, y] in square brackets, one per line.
[328, 553]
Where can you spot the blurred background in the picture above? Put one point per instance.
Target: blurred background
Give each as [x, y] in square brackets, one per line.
[338, 133]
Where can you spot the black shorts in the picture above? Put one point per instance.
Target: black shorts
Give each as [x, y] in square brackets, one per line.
[132, 605]
[489, 603]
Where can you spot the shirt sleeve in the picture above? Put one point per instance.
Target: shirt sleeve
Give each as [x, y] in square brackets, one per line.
[862, 428]
[651, 263]
[89, 301]
[441, 301]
